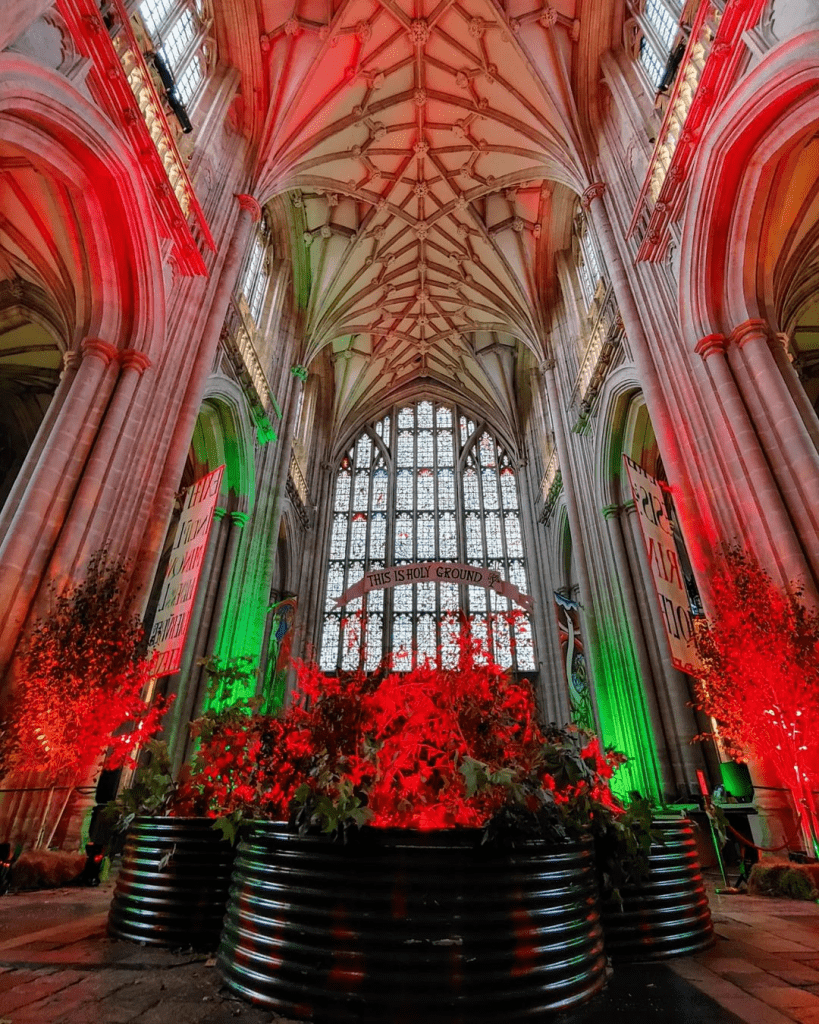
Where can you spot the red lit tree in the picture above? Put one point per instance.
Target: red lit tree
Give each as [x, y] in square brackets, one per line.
[83, 675]
[760, 650]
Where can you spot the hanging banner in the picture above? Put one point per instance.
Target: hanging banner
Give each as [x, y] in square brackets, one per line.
[655, 515]
[281, 643]
[574, 661]
[173, 614]
[434, 572]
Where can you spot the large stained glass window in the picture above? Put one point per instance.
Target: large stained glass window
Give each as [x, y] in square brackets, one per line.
[426, 482]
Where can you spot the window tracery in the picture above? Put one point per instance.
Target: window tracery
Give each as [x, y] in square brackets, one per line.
[425, 482]
[179, 31]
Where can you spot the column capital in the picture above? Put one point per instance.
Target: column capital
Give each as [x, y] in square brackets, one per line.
[219, 512]
[594, 191]
[103, 350]
[711, 345]
[750, 330]
[300, 371]
[611, 511]
[251, 205]
[71, 360]
[546, 365]
[239, 519]
[629, 508]
[131, 359]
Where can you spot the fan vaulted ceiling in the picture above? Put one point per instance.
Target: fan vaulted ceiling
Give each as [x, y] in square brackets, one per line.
[423, 145]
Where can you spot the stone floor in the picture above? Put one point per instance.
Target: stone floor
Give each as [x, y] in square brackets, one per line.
[57, 966]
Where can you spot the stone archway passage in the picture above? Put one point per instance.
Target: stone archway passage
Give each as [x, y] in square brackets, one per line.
[435, 572]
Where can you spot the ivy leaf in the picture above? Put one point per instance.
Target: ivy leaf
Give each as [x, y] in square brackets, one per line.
[475, 775]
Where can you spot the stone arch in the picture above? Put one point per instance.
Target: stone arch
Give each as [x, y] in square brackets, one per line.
[756, 136]
[70, 157]
[224, 435]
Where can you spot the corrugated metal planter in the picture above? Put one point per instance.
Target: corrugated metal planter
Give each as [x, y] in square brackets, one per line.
[173, 884]
[666, 915]
[398, 927]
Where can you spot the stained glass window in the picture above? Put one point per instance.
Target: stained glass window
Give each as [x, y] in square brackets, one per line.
[446, 490]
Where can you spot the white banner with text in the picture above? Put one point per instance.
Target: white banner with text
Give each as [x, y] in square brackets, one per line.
[173, 614]
[435, 572]
[654, 513]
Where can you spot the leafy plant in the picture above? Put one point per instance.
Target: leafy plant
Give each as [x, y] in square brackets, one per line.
[760, 651]
[430, 748]
[82, 681]
[151, 791]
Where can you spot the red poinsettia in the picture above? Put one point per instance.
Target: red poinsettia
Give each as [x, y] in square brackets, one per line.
[430, 748]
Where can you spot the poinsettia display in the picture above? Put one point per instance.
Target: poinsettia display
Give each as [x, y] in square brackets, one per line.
[426, 749]
[760, 650]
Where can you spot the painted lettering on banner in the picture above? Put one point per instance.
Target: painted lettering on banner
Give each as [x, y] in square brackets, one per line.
[435, 572]
[175, 607]
[654, 513]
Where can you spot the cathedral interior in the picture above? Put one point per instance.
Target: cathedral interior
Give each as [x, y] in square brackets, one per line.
[456, 285]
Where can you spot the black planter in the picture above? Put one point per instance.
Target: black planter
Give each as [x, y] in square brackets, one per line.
[173, 884]
[401, 926]
[667, 915]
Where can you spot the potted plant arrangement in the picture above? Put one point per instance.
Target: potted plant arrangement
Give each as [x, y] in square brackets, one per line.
[469, 893]
[173, 883]
[654, 905]
[86, 658]
[760, 680]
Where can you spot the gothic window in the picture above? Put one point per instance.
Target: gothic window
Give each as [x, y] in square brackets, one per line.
[255, 277]
[423, 483]
[179, 31]
[589, 263]
[658, 22]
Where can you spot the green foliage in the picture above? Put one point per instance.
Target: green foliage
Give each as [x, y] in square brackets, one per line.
[781, 880]
[329, 813]
[230, 680]
[151, 791]
[622, 848]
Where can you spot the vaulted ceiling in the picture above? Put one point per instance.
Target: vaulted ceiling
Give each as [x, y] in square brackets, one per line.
[430, 152]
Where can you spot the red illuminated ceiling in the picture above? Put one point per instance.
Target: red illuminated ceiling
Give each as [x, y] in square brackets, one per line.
[422, 149]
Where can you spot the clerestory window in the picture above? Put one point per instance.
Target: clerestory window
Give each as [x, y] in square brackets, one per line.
[256, 275]
[179, 31]
[658, 24]
[426, 482]
[589, 263]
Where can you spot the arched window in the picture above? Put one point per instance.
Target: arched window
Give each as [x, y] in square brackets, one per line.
[658, 22]
[424, 483]
[589, 264]
[255, 277]
[179, 31]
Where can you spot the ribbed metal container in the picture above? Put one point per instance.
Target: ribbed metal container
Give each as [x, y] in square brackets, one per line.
[667, 915]
[181, 903]
[398, 927]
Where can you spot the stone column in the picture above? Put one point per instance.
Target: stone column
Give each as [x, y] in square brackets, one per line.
[298, 377]
[791, 451]
[236, 524]
[779, 350]
[665, 429]
[756, 489]
[578, 544]
[249, 214]
[48, 493]
[679, 725]
[103, 472]
[669, 765]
